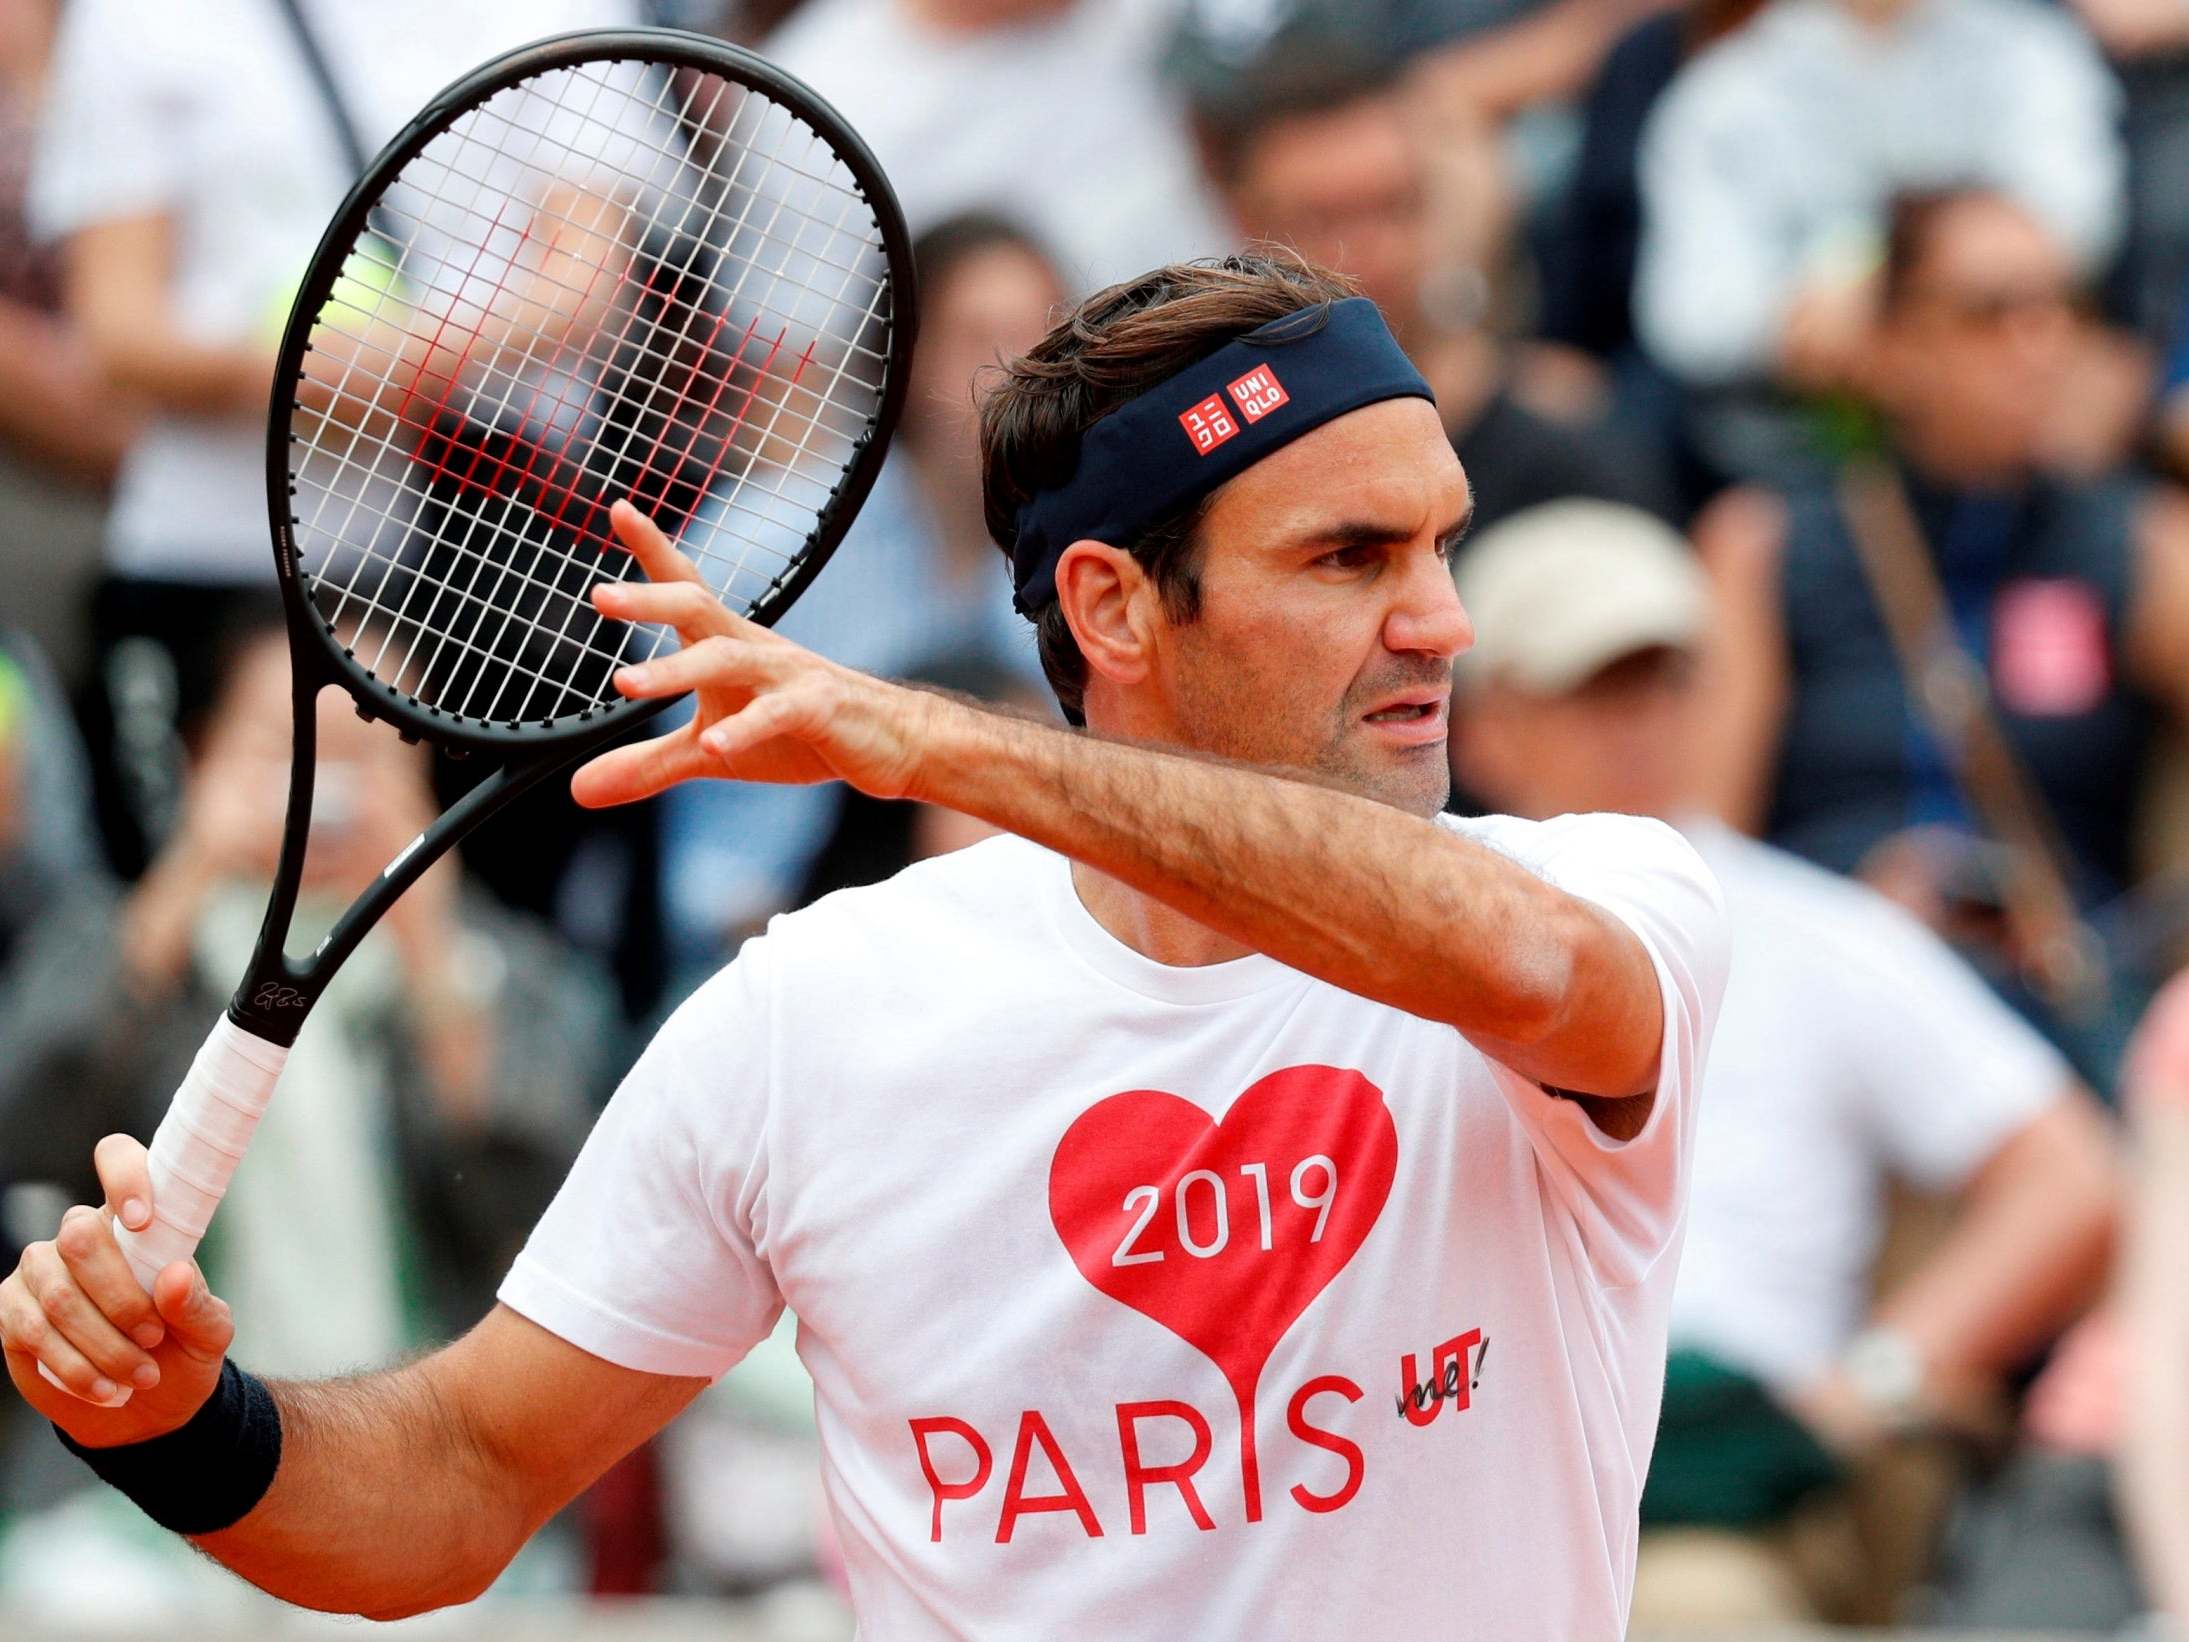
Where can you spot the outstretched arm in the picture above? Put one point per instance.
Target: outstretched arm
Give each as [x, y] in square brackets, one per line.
[1359, 894]
[397, 1492]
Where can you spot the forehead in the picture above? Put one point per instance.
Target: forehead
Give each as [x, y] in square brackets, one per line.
[1980, 240]
[1389, 463]
[1330, 151]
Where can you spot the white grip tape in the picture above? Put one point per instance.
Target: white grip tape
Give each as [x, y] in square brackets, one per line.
[204, 1135]
[195, 1151]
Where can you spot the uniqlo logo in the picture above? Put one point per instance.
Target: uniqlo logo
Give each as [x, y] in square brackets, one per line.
[1258, 393]
[1208, 425]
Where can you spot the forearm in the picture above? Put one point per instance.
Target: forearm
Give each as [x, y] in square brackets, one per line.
[2025, 1256]
[1382, 903]
[384, 1504]
[193, 378]
[52, 402]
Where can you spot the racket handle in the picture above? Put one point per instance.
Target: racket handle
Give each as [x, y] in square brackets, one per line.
[199, 1142]
[195, 1151]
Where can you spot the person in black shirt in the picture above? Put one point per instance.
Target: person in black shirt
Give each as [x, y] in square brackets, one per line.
[1312, 145]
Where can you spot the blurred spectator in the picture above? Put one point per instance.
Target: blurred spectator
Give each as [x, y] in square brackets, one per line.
[1853, 1049]
[2147, 42]
[1492, 59]
[46, 842]
[2043, 1546]
[1312, 149]
[185, 213]
[2070, 595]
[1050, 110]
[61, 431]
[917, 578]
[446, 1081]
[425, 1117]
[1767, 168]
[1592, 235]
[2153, 1440]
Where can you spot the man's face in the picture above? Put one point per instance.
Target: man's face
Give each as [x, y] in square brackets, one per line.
[1619, 741]
[1328, 619]
[995, 304]
[1974, 353]
[1346, 189]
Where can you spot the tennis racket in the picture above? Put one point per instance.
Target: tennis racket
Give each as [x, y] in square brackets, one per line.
[632, 263]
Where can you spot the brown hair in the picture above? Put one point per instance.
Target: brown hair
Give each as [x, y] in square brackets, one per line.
[1111, 348]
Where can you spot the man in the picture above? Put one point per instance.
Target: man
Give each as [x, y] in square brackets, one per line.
[1768, 165]
[1853, 1048]
[2070, 596]
[1209, 1182]
[961, 102]
[1311, 146]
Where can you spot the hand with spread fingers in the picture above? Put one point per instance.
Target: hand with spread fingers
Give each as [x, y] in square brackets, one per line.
[769, 709]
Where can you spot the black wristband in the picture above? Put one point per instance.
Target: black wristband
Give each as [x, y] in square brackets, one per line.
[206, 1475]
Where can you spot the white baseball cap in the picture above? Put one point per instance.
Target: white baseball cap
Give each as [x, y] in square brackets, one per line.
[1560, 591]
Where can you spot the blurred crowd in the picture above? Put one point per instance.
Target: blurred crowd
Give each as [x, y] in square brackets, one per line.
[1821, 369]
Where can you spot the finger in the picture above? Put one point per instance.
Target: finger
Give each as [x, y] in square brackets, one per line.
[656, 554]
[87, 1245]
[31, 1335]
[627, 774]
[713, 663]
[198, 1319]
[78, 1319]
[687, 606]
[125, 1175]
[789, 713]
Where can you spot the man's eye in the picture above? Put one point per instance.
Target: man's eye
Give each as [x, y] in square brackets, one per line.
[1346, 558]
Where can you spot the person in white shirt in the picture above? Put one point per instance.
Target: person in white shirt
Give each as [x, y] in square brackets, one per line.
[1052, 112]
[1767, 166]
[1243, 1202]
[186, 166]
[1855, 1049]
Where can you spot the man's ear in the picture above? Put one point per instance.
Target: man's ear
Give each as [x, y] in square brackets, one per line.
[1108, 601]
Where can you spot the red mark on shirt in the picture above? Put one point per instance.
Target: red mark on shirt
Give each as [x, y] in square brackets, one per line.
[1225, 1232]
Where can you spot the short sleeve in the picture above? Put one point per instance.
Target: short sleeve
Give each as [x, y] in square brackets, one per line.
[652, 1254]
[113, 104]
[1949, 1073]
[1627, 1197]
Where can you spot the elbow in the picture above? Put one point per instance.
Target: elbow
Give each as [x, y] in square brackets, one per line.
[454, 1588]
[474, 1561]
[1535, 989]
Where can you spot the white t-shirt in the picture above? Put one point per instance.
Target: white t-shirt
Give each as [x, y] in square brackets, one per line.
[205, 112]
[1854, 1047]
[1061, 122]
[1048, 1211]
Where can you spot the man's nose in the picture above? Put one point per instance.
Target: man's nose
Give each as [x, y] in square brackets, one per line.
[1428, 617]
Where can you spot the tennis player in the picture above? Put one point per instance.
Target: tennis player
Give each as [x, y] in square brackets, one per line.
[1243, 1203]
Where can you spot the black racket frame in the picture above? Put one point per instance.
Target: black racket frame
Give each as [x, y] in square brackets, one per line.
[277, 990]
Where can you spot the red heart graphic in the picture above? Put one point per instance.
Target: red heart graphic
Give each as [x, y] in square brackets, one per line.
[1225, 1232]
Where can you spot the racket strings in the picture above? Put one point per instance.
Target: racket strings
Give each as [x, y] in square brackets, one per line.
[653, 284]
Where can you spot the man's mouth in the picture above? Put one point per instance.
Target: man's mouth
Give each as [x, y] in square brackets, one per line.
[1406, 712]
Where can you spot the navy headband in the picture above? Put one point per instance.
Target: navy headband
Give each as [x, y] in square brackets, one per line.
[1179, 440]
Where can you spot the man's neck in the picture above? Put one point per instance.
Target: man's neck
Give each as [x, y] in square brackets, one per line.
[1155, 931]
